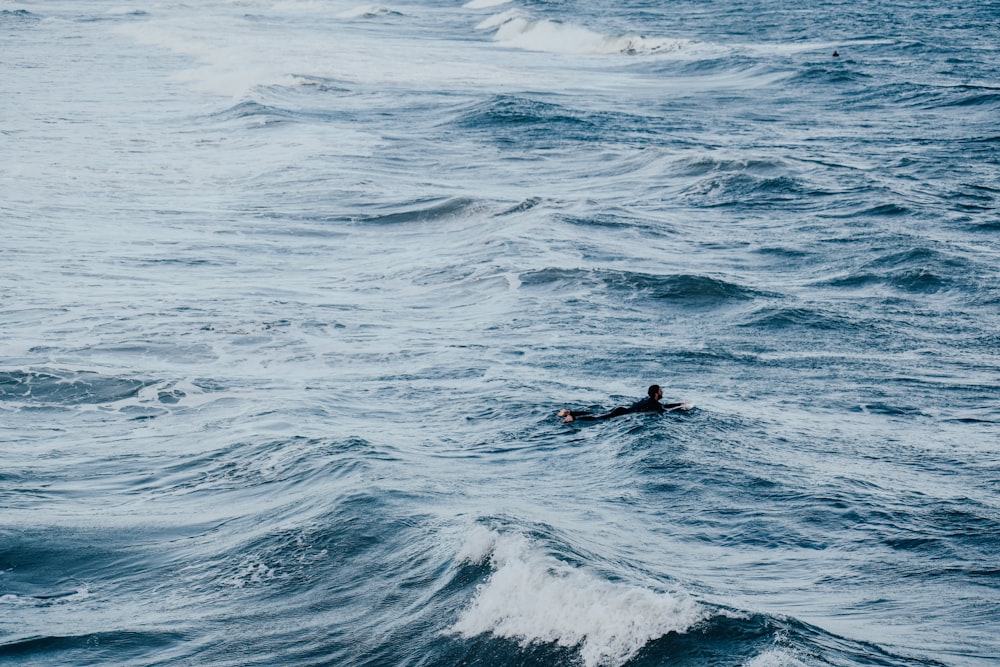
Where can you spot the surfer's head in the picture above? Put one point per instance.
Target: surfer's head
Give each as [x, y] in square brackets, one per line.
[654, 391]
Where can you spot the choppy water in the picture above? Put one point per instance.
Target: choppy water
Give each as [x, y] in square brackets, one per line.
[292, 291]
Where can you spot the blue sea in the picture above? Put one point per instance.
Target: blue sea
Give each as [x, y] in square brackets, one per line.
[293, 290]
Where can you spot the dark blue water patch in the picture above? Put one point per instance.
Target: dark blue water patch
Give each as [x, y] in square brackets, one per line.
[359, 583]
[889, 409]
[772, 510]
[117, 16]
[784, 255]
[920, 269]
[344, 578]
[777, 318]
[966, 525]
[360, 529]
[971, 96]
[917, 270]
[878, 98]
[255, 110]
[973, 420]
[558, 279]
[98, 648]
[62, 388]
[268, 115]
[986, 227]
[914, 523]
[428, 210]
[701, 291]
[735, 508]
[17, 17]
[492, 651]
[828, 75]
[47, 566]
[727, 638]
[689, 291]
[523, 122]
[815, 643]
[317, 100]
[181, 262]
[523, 206]
[319, 84]
[926, 97]
[918, 281]
[883, 210]
[707, 165]
[738, 638]
[712, 357]
[853, 281]
[720, 640]
[601, 220]
[748, 190]
[973, 198]
[734, 65]
[941, 532]
[247, 468]
[521, 113]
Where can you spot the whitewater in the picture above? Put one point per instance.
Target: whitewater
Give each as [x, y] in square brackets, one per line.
[293, 290]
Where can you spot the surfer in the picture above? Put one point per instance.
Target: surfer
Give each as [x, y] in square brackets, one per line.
[649, 404]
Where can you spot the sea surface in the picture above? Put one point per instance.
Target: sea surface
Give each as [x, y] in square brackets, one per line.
[292, 291]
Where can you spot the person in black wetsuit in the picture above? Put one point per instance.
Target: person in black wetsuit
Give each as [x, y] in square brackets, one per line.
[649, 404]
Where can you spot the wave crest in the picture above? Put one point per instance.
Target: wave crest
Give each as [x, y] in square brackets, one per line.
[516, 29]
[534, 597]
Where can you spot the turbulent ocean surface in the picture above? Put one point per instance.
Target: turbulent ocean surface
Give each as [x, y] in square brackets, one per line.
[293, 290]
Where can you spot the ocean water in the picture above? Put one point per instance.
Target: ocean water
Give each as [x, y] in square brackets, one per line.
[293, 290]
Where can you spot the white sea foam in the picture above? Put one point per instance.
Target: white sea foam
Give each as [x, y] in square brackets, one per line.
[250, 572]
[536, 598]
[224, 67]
[478, 544]
[515, 29]
[367, 11]
[500, 19]
[234, 63]
[776, 657]
[82, 592]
